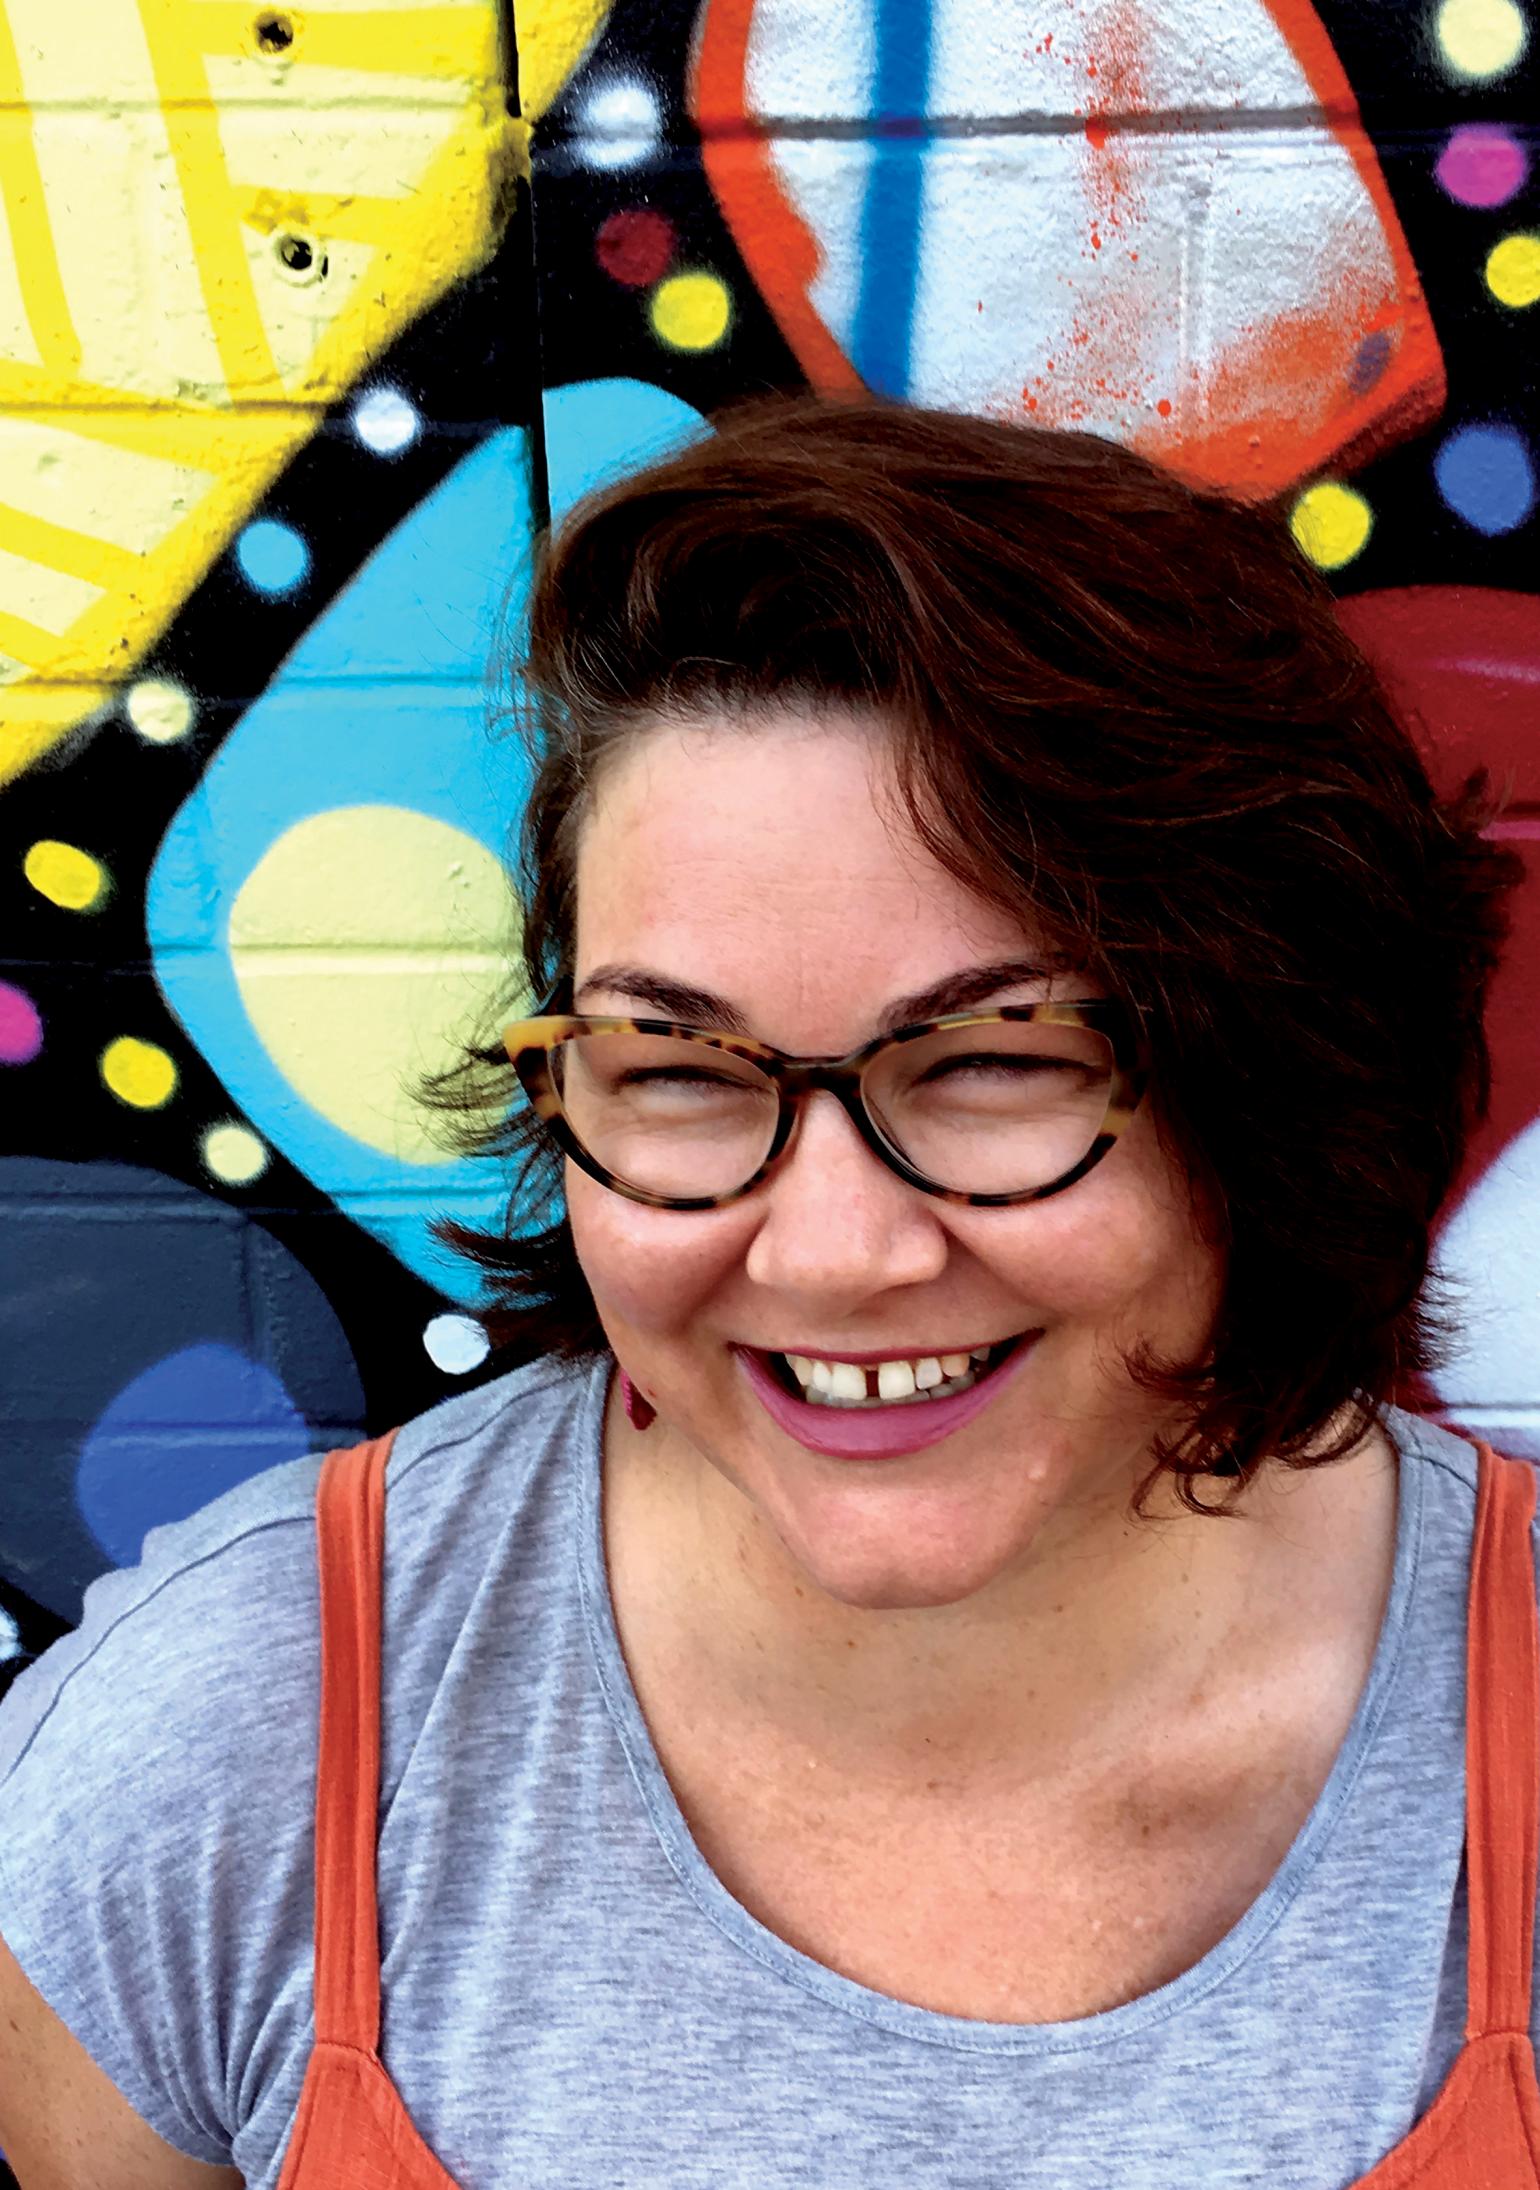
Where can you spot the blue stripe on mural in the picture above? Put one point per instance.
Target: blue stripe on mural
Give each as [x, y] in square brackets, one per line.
[891, 212]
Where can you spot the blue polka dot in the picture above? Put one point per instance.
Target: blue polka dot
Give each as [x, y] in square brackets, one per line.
[1485, 475]
[273, 557]
[181, 1433]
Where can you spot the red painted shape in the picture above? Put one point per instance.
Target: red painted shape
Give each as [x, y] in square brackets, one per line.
[1259, 445]
[1465, 660]
[635, 246]
[1462, 665]
[777, 245]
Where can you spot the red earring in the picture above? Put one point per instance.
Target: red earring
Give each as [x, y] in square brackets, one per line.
[641, 1412]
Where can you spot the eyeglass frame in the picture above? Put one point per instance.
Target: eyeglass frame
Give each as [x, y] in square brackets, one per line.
[530, 1044]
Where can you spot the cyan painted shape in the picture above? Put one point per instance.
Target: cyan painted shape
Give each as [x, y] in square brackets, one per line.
[385, 701]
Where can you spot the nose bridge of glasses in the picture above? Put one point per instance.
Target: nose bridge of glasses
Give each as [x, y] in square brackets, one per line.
[840, 1079]
[801, 1078]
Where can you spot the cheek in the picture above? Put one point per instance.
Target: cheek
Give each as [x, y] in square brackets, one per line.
[1113, 1247]
[648, 1268]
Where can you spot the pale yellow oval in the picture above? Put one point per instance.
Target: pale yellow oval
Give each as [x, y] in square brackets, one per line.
[159, 710]
[234, 1154]
[365, 944]
[1480, 38]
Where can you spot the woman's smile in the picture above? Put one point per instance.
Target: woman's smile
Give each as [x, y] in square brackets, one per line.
[845, 1423]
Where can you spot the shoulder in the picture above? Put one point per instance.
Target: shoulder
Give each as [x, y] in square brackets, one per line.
[1442, 1465]
[158, 1764]
[219, 1618]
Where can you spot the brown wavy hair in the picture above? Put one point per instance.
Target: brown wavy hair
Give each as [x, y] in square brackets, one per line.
[1124, 710]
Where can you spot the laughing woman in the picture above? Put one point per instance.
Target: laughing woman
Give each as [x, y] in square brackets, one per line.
[945, 1661]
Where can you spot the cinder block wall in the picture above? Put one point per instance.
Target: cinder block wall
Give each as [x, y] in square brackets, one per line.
[307, 316]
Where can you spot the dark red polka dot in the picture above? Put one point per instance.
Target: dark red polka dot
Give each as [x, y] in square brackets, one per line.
[635, 246]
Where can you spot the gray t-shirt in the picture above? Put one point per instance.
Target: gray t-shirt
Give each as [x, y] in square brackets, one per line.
[571, 1996]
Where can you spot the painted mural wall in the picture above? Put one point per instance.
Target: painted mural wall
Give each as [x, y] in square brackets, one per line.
[307, 318]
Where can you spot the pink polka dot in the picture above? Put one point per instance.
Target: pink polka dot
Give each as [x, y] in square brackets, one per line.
[21, 1030]
[1483, 165]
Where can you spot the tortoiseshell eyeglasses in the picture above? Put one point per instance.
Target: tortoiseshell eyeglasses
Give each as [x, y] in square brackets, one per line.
[983, 1108]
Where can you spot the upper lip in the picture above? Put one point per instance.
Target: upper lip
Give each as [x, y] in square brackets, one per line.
[890, 1353]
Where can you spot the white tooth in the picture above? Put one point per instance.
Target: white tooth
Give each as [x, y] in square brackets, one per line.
[927, 1373]
[955, 1364]
[848, 1382]
[801, 1368]
[981, 1353]
[895, 1380]
[823, 1376]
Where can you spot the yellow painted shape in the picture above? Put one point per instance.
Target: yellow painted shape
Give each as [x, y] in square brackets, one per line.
[34, 257]
[51, 473]
[554, 38]
[163, 337]
[49, 599]
[1480, 38]
[691, 311]
[138, 1073]
[65, 875]
[1513, 270]
[366, 944]
[1330, 523]
[444, 42]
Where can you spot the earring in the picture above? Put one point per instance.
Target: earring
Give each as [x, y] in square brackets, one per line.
[640, 1412]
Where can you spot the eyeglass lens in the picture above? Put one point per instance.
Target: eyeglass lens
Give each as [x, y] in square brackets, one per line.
[992, 1109]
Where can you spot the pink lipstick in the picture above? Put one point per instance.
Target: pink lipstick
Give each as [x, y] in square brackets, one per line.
[877, 1433]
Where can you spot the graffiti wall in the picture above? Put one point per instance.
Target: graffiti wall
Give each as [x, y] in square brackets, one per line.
[307, 318]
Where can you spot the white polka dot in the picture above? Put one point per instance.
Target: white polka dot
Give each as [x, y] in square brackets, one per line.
[159, 710]
[456, 1344]
[618, 123]
[385, 422]
[234, 1153]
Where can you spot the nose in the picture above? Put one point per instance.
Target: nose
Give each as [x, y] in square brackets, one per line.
[837, 1225]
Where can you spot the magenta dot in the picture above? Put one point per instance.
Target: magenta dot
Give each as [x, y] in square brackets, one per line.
[1483, 165]
[21, 1030]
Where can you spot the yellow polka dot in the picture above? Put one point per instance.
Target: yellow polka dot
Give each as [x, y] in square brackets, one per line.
[1330, 523]
[367, 943]
[1513, 270]
[65, 875]
[234, 1154]
[1480, 38]
[159, 710]
[691, 311]
[139, 1073]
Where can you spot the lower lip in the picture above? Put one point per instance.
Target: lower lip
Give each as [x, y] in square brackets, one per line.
[877, 1433]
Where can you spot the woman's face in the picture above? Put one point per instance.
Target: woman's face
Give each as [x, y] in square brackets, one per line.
[772, 866]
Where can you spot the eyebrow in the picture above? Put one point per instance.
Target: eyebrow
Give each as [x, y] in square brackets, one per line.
[958, 991]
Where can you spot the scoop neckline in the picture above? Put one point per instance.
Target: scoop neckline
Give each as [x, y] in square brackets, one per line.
[962, 2033]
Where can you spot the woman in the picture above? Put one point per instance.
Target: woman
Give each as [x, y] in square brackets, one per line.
[979, 1696]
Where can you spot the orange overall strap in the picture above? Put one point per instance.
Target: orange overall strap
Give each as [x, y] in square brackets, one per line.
[350, 1525]
[1502, 1748]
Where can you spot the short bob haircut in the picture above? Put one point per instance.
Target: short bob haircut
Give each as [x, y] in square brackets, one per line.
[1125, 711]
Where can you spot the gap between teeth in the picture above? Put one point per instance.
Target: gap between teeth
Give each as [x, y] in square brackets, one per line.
[899, 1383]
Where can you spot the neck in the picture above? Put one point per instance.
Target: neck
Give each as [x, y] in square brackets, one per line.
[1110, 1633]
